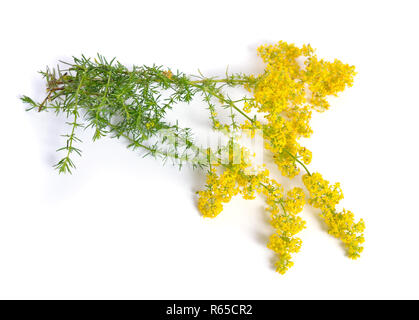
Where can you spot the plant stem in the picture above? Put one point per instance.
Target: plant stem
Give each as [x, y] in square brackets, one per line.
[76, 114]
[296, 159]
[234, 107]
[225, 80]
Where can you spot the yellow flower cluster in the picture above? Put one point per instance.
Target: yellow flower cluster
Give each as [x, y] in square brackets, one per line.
[288, 91]
[326, 78]
[284, 246]
[285, 222]
[295, 201]
[274, 193]
[295, 83]
[342, 225]
[238, 179]
[221, 188]
[251, 127]
[323, 195]
[287, 83]
[305, 154]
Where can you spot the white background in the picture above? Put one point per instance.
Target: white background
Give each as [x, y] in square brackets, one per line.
[123, 226]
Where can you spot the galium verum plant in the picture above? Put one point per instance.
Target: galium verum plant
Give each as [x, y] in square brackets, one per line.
[128, 103]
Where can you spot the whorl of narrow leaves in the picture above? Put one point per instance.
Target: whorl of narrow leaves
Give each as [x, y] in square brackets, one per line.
[114, 100]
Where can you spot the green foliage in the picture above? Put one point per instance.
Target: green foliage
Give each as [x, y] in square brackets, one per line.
[119, 102]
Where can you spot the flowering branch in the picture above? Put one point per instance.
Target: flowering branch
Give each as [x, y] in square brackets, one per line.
[120, 102]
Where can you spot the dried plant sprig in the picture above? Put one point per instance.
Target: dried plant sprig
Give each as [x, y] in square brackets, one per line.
[132, 103]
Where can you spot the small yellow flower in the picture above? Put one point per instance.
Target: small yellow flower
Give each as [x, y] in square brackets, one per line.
[342, 224]
[168, 74]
